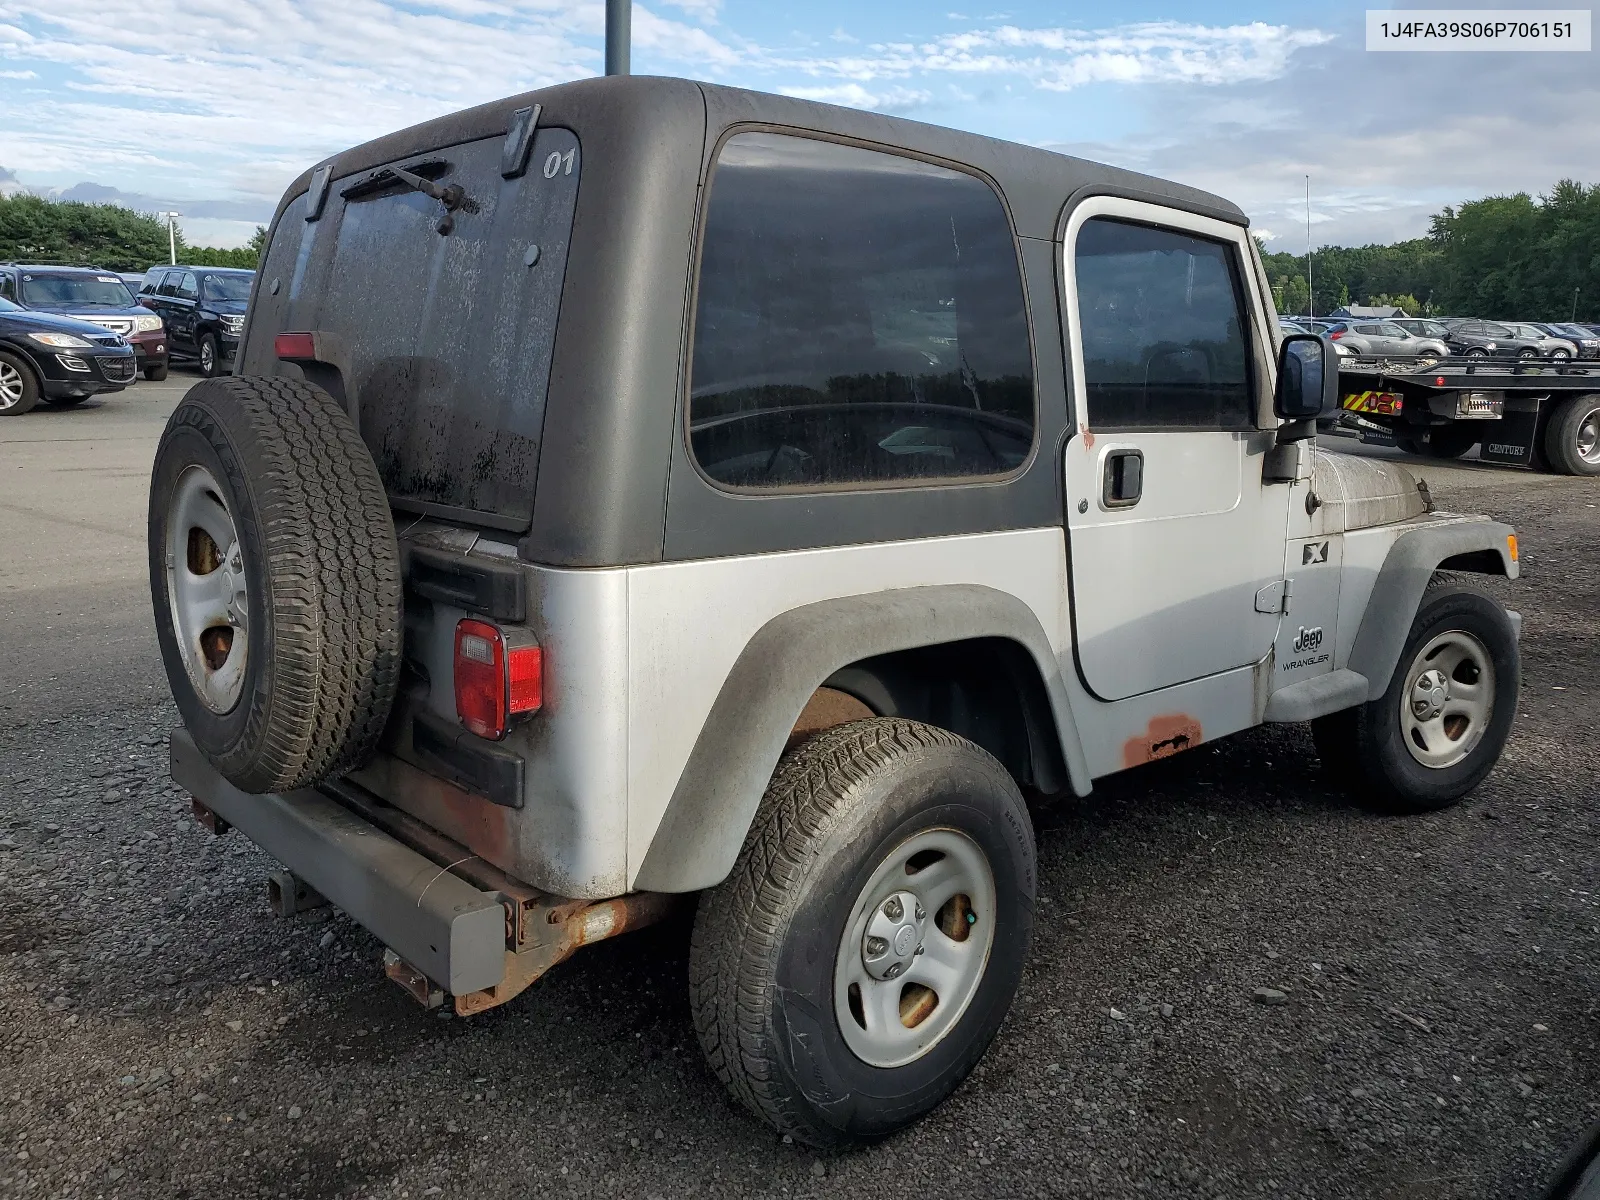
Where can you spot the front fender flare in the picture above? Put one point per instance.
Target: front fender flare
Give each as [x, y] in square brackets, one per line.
[1402, 580]
[704, 826]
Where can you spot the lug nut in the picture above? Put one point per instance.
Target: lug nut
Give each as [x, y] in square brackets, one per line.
[876, 946]
[894, 970]
[922, 913]
[893, 909]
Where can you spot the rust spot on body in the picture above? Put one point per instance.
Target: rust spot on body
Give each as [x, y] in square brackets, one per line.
[826, 708]
[1162, 738]
[1088, 436]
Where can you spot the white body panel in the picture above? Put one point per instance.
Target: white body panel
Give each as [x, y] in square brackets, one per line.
[1164, 590]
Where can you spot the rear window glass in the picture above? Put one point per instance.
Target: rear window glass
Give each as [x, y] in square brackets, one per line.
[450, 335]
[860, 320]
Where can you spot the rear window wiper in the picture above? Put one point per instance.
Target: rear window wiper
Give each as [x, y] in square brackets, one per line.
[453, 196]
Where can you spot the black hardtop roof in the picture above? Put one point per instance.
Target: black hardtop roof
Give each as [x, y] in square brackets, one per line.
[616, 109]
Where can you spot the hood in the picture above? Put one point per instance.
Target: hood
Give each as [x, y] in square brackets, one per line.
[1360, 493]
[30, 320]
[234, 308]
[92, 310]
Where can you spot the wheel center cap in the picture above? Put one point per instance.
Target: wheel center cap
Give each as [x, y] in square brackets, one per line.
[894, 936]
[1428, 695]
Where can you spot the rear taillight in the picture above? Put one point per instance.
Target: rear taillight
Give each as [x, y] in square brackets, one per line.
[1332, 337]
[295, 347]
[495, 679]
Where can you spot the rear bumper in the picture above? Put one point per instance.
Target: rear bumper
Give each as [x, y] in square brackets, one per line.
[447, 928]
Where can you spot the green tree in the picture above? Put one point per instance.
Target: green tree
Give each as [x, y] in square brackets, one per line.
[33, 229]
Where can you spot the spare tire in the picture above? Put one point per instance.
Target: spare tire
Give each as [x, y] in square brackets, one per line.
[276, 582]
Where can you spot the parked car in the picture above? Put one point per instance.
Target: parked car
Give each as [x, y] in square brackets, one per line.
[1548, 344]
[204, 309]
[1382, 339]
[1423, 327]
[89, 294]
[58, 360]
[1488, 339]
[1287, 326]
[625, 558]
[1585, 339]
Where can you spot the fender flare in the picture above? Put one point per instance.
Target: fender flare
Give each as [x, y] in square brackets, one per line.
[701, 832]
[1402, 580]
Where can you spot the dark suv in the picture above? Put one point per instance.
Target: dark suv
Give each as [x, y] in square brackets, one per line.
[1488, 339]
[57, 360]
[93, 295]
[204, 311]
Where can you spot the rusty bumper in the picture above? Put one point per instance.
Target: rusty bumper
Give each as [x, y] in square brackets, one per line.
[451, 922]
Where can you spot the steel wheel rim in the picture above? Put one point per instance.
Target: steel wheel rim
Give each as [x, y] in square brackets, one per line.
[208, 357]
[206, 589]
[920, 980]
[1589, 436]
[1448, 699]
[12, 385]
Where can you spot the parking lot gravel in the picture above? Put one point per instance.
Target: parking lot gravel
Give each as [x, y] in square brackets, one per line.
[1241, 985]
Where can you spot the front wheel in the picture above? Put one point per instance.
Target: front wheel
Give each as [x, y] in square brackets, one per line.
[857, 962]
[210, 356]
[1439, 728]
[1477, 352]
[19, 390]
[156, 374]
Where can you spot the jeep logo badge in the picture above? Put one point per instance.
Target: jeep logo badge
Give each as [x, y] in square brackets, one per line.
[1307, 639]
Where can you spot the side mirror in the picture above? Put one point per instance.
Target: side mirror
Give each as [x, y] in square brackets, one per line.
[1308, 378]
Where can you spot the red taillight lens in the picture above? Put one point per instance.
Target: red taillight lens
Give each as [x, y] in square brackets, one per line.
[1332, 337]
[493, 681]
[294, 346]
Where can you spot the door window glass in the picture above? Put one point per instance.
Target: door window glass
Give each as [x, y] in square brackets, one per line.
[188, 289]
[169, 285]
[860, 320]
[1162, 325]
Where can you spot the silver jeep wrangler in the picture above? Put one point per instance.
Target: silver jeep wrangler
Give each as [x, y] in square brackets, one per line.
[639, 489]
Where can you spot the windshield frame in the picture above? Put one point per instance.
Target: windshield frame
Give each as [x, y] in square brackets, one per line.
[26, 281]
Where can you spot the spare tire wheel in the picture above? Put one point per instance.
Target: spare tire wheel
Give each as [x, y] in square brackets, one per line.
[276, 582]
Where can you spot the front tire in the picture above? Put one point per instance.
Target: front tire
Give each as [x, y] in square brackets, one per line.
[156, 374]
[210, 356]
[1572, 438]
[1440, 726]
[857, 962]
[19, 388]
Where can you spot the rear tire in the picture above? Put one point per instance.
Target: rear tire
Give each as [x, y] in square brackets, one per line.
[276, 582]
[1410, 443]
[1572, 437]
[156, 374]
[19, 387]
[800, 1008]
[1393, 759]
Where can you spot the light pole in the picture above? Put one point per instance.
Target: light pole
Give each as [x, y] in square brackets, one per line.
[619, 33]
[172, 236]
[1311, 296]
[1575, 292]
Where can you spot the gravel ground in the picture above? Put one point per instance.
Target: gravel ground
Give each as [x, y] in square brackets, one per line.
[163, 1035]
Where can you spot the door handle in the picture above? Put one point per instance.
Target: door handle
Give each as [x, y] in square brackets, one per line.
[1123, 483]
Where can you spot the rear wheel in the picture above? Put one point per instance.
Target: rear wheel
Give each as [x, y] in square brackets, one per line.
[275, 577]
[1440, 726]
[859, 959]
[19, 389]
[1572, 438]
[1527, 354]
[1410, 443]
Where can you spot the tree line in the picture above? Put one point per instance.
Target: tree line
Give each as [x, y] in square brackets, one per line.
[1503, 257]
[70, 233]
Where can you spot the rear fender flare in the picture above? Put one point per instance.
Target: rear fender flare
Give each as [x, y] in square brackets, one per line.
[704, 826]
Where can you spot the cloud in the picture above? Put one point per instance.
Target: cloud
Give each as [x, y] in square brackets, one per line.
[1459, 127]
[853, 95]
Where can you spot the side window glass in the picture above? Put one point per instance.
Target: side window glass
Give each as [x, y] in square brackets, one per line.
[1162, 325]
[188, 289]
[7, 288]
[859, 320]
[169, 284]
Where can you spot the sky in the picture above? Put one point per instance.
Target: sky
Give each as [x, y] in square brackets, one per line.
[211, 107]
